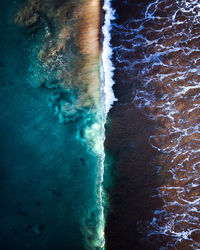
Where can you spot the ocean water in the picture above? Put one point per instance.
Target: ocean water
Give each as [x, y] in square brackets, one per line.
[99, 142]
[154, 132]
[51, 133]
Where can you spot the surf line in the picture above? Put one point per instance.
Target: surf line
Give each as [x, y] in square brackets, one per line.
[107, 94]
[107, 65]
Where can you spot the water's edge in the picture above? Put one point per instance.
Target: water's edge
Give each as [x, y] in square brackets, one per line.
[108, 97]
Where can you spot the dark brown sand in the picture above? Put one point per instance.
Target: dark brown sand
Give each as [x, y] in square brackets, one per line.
[163, 87]
[127, 141]
[131, 198]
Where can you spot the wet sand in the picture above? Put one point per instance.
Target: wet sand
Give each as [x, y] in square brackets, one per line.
[131, 198]
[136, 178]
[154, 127]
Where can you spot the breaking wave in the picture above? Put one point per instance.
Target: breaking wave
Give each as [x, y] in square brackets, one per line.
[108, 82]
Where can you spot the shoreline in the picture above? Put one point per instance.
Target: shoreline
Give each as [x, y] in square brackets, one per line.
[127, 140]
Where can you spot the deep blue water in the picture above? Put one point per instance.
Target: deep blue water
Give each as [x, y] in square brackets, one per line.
[47, 171]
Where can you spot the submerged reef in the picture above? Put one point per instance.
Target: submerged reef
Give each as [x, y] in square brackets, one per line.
[71, 43]
[66, 61]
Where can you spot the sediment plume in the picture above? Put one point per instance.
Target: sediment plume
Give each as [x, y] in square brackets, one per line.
[70, 48]
[88, 42]
[69, 22]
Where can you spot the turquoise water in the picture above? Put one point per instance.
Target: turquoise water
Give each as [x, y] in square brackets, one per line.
[49, 173]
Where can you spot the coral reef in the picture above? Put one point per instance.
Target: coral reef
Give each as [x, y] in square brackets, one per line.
[71, 45]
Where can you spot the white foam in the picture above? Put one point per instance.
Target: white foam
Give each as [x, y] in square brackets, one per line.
[107, 65]
[168, 87]
[107, 100]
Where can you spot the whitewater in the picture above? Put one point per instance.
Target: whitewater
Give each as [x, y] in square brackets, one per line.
[160, 53]
[107, 95]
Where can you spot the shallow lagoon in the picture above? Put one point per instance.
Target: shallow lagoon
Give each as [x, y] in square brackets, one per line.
[48, 171]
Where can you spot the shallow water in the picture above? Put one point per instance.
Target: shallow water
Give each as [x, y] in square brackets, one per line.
[50, 163]
[156, 55]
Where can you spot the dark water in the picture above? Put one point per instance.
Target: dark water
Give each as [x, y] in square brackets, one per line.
[154, 132]
[48, 163]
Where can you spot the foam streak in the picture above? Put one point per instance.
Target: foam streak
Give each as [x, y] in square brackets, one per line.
[108, 68]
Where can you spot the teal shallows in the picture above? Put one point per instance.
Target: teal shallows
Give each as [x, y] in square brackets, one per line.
[110, 176]
[48, 170]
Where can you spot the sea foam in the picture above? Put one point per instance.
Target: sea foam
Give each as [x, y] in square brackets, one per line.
[108, 68]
